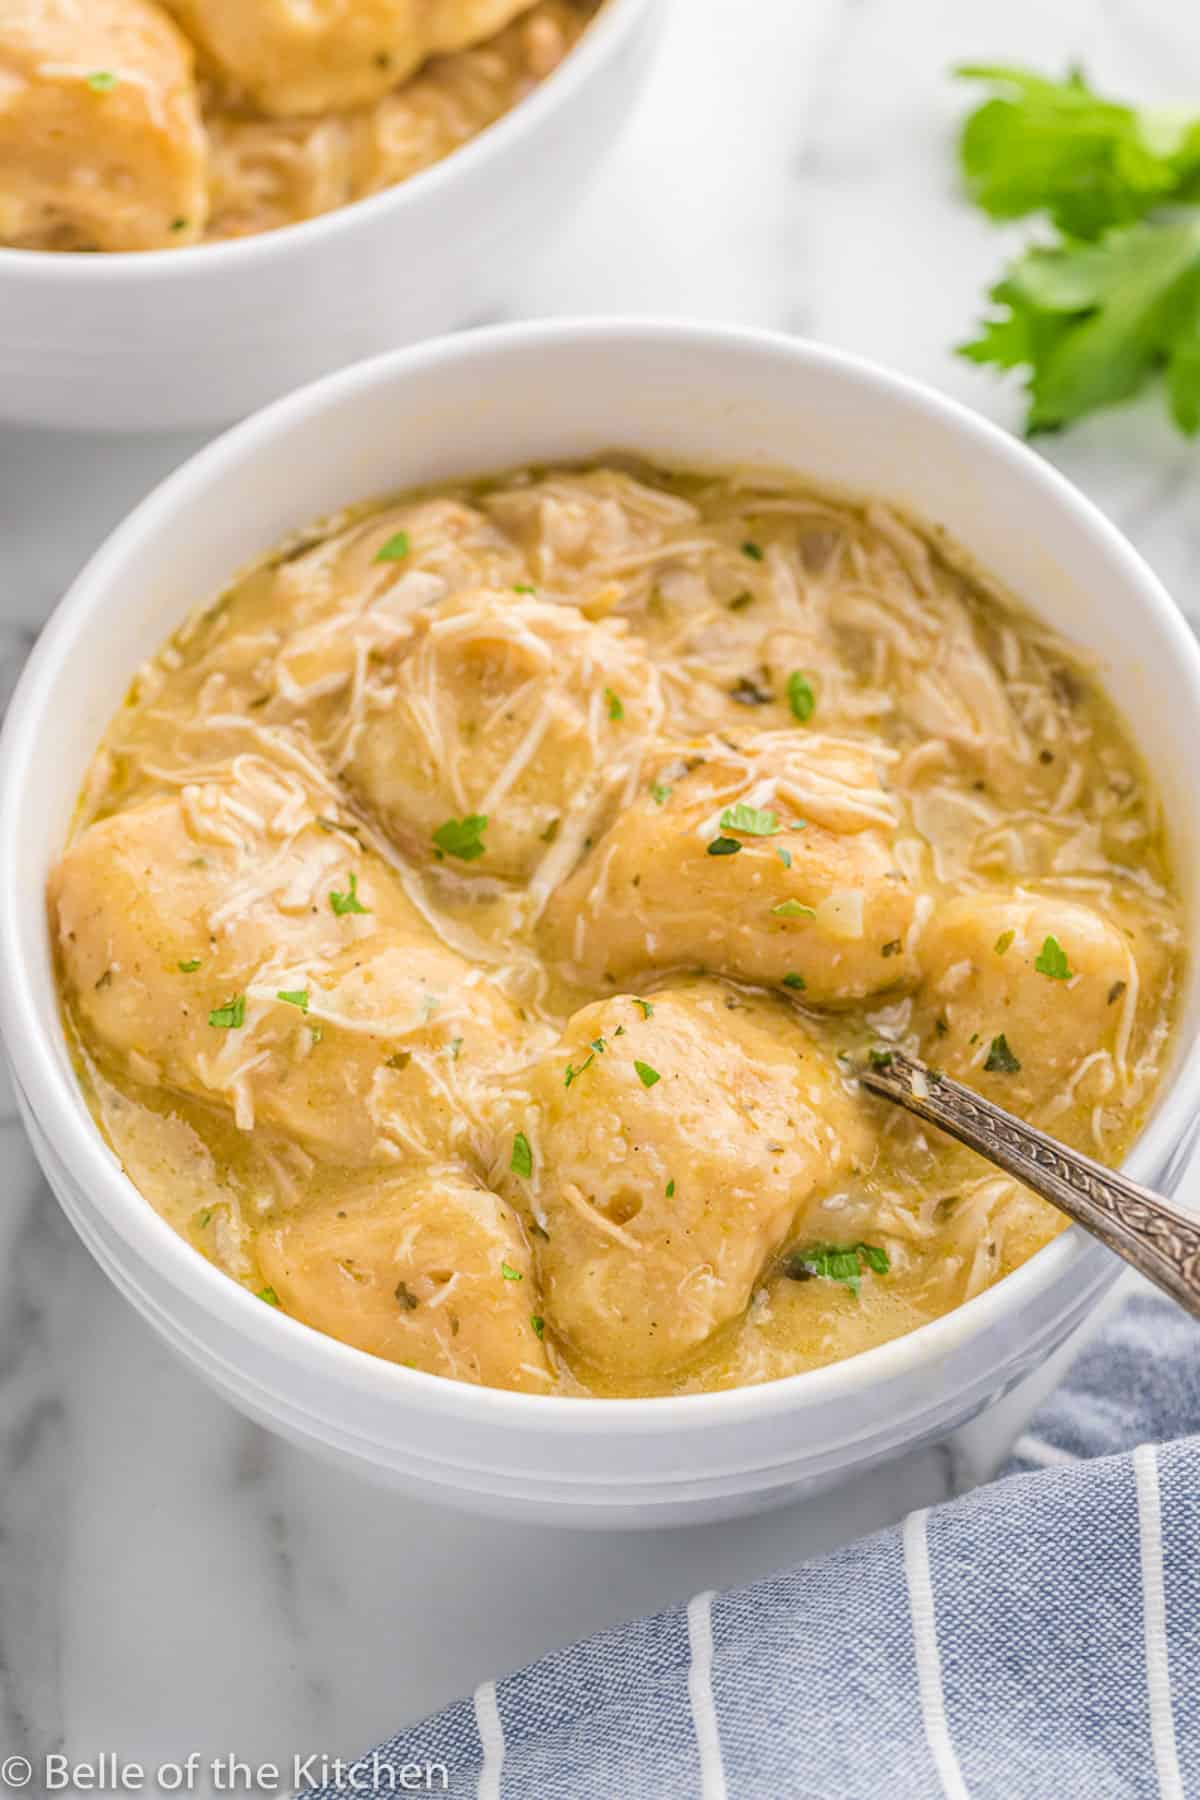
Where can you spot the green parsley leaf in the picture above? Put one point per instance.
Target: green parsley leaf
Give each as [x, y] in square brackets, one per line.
[179, 224]
[751, 821]
[659, 793]
[1000, 1059]
[348, 902]
[190, 966]
[404, 1294]
[670, 1190]
[801, 698]
[102, 81]
[723, 846]
[294, 997]
[793, 980]
[509, 1273]
[741, 601]
[454, 1047]
[837, 1262]
[645, 1074]
[754, 551]
[523, 587]
[1052, 961]
[615, 708]
[573, 1073]
[892, 948]
[647, 1009]
[1004, 942]
[397, 547]
[522, 1156]
[231, 1016]
[880, 1059]
[462, 837]
[785, 857]
[269, 1295]
[202, 1218]
[794, 909]
[539, 1325]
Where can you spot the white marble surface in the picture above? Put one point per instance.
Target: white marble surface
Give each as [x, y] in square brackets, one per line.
[172, 1578]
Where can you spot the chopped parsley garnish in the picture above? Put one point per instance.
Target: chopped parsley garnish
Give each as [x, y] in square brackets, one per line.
[1115, 991]
[521, 1162]
[660, 793]
[231, 1016]
[801, 698]
[880, 1059]
[892, 948]
[348, 902]
[397, 546]
[751, 821]
[792, 980]
[749, 693]
[670, 1190]
[785, 857]
[1000, 1059]
[1004, 942]
[723, 846]
[406, 1297]
[179, 224]
[794, 909]
[294, 997]
[741, 601]
[574, 1073]
[646, 1075]
[539, 1325]
[752, 550]
[837, 1262]
[399, 1059]
[615, 708]
[523, 587]
[202, 1218]
[190, 966]
[1052, 961]
[462, 837]
[453, 1048]
[102, 81]
[509, 1273]
[647, 1009]
[269, 1295]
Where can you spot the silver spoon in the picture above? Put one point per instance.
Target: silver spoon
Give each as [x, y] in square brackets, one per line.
[1160, 1240]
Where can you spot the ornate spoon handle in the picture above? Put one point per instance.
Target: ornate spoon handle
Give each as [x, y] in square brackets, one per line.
[1159, 1239]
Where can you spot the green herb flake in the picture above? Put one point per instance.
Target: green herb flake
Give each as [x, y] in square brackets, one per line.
[800, 696]
[454, 1048]
[670, 1190]
[750, 821]
[509, 1273]
[573, 1073]
[1052, 961]
[794, 909]
[102, 81]
[1004, 942]
[521, 1162]
[1115, 991]
[741, 601]
[231, 1016]
[404, 1294]
[616, 709]
[892, 948]
[294, 997]
[180, 224]
[646, 1075]
[1000, 1059]
[880, 1059]
[523, 587]
[396, 548]
[269, 1295]
[754, 551]
[843, 1263]
[399, 1059]
[203, 1218]
[462, 837]
[660, 793]
[538, 1324]
[348, 902]
[785, 857]
[190, 966]
[792, 980]
[723, 846]
[647, 1008]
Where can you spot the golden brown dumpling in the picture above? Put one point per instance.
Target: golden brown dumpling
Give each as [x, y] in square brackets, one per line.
[101, 144]
[674, 1145]
[292, 57]
[431, 1270]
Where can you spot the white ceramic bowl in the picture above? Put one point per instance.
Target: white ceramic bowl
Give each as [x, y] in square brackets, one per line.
[485, 401]
[167, 339]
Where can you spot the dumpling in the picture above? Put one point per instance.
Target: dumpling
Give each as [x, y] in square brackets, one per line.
[291, 57]
[669, 1146]
[508, 709]
[101, 144]
[771, 860]
[431, 1270]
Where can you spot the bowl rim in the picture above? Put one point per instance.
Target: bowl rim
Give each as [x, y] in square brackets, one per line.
[602, 39]
[52, 1095]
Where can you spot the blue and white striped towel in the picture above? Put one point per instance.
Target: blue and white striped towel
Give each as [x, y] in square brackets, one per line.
[1037, 1640]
